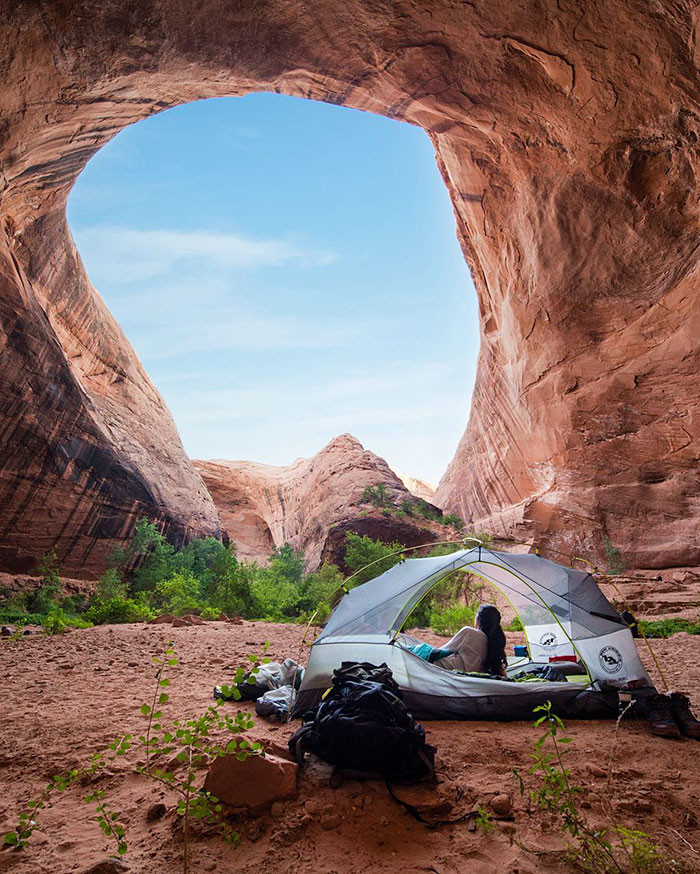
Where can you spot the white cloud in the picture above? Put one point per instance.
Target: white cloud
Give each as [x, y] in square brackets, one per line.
[117, 254]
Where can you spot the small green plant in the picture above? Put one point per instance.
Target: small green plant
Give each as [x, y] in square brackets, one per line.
[484, 820]
[613, 558]
[54, 623]
[448, 620]
[108, 820]
[49, 569]
[593, 851]
[117, 610]
[482, 537]
[58, 622]
[191, 742]
[515, 624]
[376, 495]
[668, 627]
[169, 747]
[452, 520]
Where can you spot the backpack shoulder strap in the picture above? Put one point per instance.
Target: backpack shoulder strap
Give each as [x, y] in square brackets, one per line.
[299, 741]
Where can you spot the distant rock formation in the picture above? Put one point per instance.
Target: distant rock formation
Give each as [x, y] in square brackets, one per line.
[312, 503]
[418, 487]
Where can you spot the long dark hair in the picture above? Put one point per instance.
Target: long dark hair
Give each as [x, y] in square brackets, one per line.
[489, 619]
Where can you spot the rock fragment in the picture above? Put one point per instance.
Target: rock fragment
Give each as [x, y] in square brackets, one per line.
[253, 783]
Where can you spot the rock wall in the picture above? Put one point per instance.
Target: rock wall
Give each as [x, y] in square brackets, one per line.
[311, 503]
[567, 135]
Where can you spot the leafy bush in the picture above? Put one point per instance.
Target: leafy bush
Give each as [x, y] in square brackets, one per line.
[515, 624]
[614, 560]
[49, 569]
[448, 620]
[452, 520]
[110, 585]
[445, 549]
[483, 538]
[180, 593]
[112, 611]
[361, 550]
[233, 588]
[57, 622]
[73, 604]
[376, 495]
[20, 617]
[44, 599]
[668, 627]
[316, 592]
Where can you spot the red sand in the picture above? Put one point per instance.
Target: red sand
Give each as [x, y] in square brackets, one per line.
[65, 697]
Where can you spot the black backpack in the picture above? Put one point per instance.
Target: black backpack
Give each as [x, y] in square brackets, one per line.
[363, 728]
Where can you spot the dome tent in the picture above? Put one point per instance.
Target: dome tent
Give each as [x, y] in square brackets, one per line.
[563, 612]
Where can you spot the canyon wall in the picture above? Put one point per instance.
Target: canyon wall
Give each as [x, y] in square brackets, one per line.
[567, 135]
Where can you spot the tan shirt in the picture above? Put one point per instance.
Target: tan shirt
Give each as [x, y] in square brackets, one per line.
[468, 648]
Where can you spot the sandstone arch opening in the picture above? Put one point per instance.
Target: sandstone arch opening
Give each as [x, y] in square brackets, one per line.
[584, 422]
[286, 271]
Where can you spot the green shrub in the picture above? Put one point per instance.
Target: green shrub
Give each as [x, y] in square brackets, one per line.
[317, 590]
[361, 550]
[483, 538]
[452, 520]
[74, 604]
[57, 622]
[276, 596]
[448, 620]
[49, 569]
[111, 585]
[668, 627]
[233, 592]
[210, 613]
[613, 557]
[153, 555]
[20, 617]
[44, 599]
[426, 510]
[376, 495]
[53, 623]
[180, 593]
[515, 624]
[112, 611]
[445, 549]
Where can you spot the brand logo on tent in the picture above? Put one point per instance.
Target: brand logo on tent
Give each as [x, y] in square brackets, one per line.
[549, 638]
[610, 659]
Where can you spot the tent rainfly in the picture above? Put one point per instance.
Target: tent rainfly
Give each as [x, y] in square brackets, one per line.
[563, 613]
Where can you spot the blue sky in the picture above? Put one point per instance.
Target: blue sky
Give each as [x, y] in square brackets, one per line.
[286, 271]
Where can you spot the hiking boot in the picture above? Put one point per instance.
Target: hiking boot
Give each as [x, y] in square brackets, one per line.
[661, 718]
[688, 724]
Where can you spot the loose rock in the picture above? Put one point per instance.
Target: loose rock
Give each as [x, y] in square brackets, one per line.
[108, 866]
[330, 821]
[156, 811]
[252, 783]
[501, 804]
[595, 770]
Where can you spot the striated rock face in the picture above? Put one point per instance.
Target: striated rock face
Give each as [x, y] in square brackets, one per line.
[568, 140]
[311, 503]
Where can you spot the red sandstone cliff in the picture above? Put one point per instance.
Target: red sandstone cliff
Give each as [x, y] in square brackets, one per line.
[568, 137]
[311, 503]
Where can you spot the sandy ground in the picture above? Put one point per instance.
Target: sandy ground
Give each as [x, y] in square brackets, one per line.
[65, 697]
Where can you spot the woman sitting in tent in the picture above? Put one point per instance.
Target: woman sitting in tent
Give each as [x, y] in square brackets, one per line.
[481, 649]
